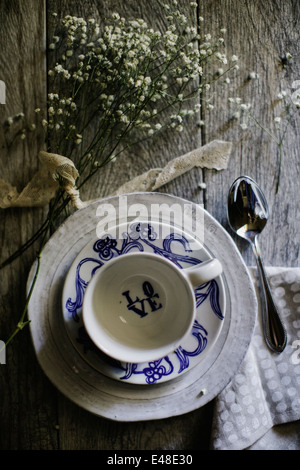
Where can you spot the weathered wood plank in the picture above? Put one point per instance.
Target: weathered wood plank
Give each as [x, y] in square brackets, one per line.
[28, 408]
[79, 430]
[260, 34]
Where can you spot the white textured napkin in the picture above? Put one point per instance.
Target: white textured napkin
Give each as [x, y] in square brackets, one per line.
[265, 392]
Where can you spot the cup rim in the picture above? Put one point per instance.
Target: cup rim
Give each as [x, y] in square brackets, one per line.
[138, 355]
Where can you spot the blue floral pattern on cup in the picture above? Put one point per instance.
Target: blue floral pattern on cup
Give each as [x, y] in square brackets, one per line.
[142, 236]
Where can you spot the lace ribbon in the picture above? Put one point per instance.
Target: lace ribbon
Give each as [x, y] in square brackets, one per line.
[44, 184]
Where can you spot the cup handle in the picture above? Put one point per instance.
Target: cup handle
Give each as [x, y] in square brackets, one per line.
[203, 272]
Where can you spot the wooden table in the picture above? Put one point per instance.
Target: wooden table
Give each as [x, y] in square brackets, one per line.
[34, 415]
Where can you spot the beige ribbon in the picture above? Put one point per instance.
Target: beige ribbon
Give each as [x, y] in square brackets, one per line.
[59, 166]
[44, 184]
[214, 155]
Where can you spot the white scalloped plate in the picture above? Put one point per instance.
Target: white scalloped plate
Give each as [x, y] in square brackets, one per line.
[184, 251]
[115, 399]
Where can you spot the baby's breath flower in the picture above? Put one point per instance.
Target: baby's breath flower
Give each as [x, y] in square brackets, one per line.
[245, 106]
[281, 95]
[78, 139]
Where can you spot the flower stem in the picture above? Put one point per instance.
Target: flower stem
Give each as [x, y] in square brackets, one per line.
[22, 322]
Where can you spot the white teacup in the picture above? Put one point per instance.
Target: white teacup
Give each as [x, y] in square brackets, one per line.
[139, 307]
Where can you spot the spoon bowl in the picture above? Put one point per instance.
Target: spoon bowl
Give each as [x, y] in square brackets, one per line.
[247, 215]
[247, 208]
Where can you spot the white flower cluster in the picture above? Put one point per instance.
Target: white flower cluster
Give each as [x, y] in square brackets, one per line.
[127, 76]
[20, 127]
[130, 72]
[286, 104]
[240, 111]
[60, 111]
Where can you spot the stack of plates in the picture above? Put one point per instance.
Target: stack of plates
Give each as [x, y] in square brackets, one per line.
[184, 380]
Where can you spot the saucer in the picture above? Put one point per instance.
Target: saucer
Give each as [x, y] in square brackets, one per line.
[119, 400]
[173, 244]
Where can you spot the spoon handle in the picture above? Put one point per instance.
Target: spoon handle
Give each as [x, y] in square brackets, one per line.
[273, 328]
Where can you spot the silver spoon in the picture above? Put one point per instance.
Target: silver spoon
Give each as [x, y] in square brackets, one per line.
[248, 215]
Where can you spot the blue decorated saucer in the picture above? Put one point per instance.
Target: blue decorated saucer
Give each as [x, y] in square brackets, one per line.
[177, 246]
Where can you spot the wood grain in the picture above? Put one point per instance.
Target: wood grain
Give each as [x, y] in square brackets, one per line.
[186, 432]
[28, 407]
[260, 34]
[34, 415]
